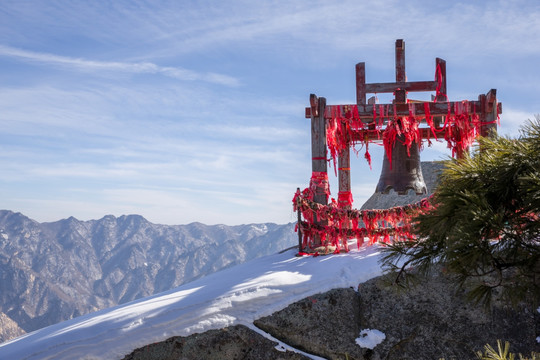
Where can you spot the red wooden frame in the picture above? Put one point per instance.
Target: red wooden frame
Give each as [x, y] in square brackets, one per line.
[486, 108]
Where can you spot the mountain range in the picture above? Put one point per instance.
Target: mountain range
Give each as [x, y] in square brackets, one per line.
[54, 271]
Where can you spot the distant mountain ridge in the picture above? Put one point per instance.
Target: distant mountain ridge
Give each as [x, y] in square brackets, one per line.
[50, 272]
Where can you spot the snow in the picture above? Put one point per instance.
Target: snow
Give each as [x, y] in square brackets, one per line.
[237, 295]
[370, 338]
[282, 346]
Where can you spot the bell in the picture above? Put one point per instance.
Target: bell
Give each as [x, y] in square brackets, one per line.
[404, 173]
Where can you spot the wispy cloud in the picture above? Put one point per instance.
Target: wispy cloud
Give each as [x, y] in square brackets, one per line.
[513, 120]
[112, 66]
[355, 25]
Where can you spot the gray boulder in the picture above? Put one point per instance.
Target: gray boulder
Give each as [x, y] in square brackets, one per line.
[434, 320]
[235, 342]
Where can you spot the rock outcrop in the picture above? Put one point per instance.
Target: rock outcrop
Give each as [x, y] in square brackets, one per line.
[431, 321]
[434, 320]
[10, 329]
[234, 342]
[324, 324]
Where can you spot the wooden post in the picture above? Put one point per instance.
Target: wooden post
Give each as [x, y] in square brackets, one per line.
[400, 94]
[344, 170]
[360, 83]
[491, 108]
[318, 144]
[488, 113]
[440, 72]
[299, 225]
[400, 61]
[344, 178]
[318, 149]
[460, 154]
[482, 114]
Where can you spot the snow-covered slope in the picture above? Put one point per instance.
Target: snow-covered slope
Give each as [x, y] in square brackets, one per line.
[237, 295]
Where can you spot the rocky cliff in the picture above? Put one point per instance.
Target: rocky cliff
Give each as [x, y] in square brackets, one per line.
[431, 321]
[10, 329]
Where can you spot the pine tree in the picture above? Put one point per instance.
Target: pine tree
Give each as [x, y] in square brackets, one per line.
[485, 226]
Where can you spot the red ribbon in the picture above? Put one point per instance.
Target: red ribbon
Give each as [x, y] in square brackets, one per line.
[342, 224]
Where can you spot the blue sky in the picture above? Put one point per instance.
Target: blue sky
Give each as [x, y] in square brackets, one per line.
[185, 111]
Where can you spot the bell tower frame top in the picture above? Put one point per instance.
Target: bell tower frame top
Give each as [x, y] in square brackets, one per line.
[336, 128]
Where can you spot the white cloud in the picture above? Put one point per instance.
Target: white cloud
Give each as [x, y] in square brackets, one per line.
[512, 120]
[113, 66]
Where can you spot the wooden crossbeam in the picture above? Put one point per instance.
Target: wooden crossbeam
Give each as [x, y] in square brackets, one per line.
[374, 136]
[407, 86]
[365, 111]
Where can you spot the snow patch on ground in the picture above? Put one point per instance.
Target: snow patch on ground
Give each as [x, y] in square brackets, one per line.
[370, 338]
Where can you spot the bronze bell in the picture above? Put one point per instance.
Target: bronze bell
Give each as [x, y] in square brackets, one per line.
[404, 173]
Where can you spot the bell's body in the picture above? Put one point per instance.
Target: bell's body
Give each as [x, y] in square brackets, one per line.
[404, 173]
